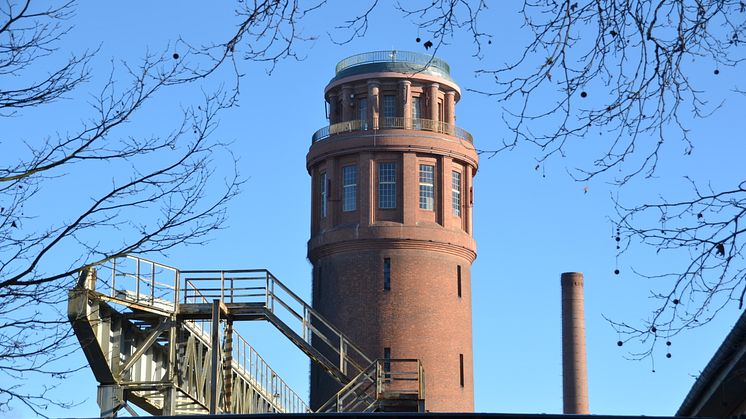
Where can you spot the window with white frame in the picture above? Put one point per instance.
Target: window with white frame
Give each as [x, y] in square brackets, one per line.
[416, 113]
[386, 185]
[389, 110]
[349, 188]
[427, 187]
[324, 188]
[456, 193]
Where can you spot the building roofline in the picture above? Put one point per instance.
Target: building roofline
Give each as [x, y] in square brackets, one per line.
[730, 352]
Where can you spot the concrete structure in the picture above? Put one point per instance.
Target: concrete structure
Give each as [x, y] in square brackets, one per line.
[391, 221]
[574, 370]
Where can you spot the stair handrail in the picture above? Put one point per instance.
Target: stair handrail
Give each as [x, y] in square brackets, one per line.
[262, 285]
[368, 373]
[183, 289]
[198, 327]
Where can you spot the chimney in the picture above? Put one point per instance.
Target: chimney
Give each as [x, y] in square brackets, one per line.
[574, 371]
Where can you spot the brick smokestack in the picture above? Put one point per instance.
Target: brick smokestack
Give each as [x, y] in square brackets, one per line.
[574, 370]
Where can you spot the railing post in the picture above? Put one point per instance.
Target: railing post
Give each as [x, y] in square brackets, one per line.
[272, 292]
[342, 356]
[266, 289]
[152, 282]
[378, 379]
[303, 324]
[222, 286]
[113, 276]
[137, 279]
[177, 290]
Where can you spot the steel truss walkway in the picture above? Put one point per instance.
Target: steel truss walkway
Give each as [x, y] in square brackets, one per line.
[148, 332]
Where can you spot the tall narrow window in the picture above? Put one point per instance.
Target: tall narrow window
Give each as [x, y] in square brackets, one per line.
[362, 106]
[386, 185]
[458, 280]
[416, 113]
[387, 361]
[349, 188]
[427, 187]
[461, 368]
[456, 193]
[324, 187]
[389, 110]
[387, 274]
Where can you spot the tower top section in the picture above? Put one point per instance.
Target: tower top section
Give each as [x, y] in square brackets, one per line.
[381, 66]
[392, 61]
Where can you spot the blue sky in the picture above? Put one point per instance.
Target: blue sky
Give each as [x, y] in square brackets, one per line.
[530, 225]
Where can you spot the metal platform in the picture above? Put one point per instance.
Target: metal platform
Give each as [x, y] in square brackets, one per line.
[162, 339]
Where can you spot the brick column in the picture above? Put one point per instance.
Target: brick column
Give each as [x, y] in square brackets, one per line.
[346, 103]
[443, 192]
[574, 370]
[332, 193]
[332, 109]
[432, 106]
[450, 110]
[405, 97]
[468, 193]
[367, 185]
[373, 102]
[411, 191]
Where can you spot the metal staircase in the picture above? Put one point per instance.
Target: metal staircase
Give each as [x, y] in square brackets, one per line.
[152, 335]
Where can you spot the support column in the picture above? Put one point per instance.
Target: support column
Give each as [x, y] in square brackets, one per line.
[346, 103]
[405, 97]
[373, 102]
[332, 109]
[432, 106]
[410, 193]
[110, 399]
[443, 191]
[215, 341]
[574, 369]
[227, 367]
[333, 193]
[368, 185]
[469, 205]
[450, 111]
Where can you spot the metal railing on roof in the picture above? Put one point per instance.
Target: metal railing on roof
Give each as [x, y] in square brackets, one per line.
[397, 122]
[393, 56]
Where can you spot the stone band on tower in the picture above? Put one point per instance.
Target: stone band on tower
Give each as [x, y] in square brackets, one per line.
[391, 221]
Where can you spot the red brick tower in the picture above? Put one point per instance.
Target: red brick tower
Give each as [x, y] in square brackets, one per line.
[391, 220]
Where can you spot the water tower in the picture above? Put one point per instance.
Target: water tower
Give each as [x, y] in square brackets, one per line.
[391, 221]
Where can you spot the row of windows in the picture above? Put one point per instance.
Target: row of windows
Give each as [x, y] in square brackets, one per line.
[388, 107]
[387, 188]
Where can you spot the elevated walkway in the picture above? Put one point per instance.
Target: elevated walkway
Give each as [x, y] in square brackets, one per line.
[162, 339]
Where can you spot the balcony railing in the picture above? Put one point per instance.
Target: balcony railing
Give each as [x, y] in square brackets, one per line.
[397, 122]
[415, 58]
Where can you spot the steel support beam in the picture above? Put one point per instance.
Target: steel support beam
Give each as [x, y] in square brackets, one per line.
[110, 399]
[215, 338]
[162, 326]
